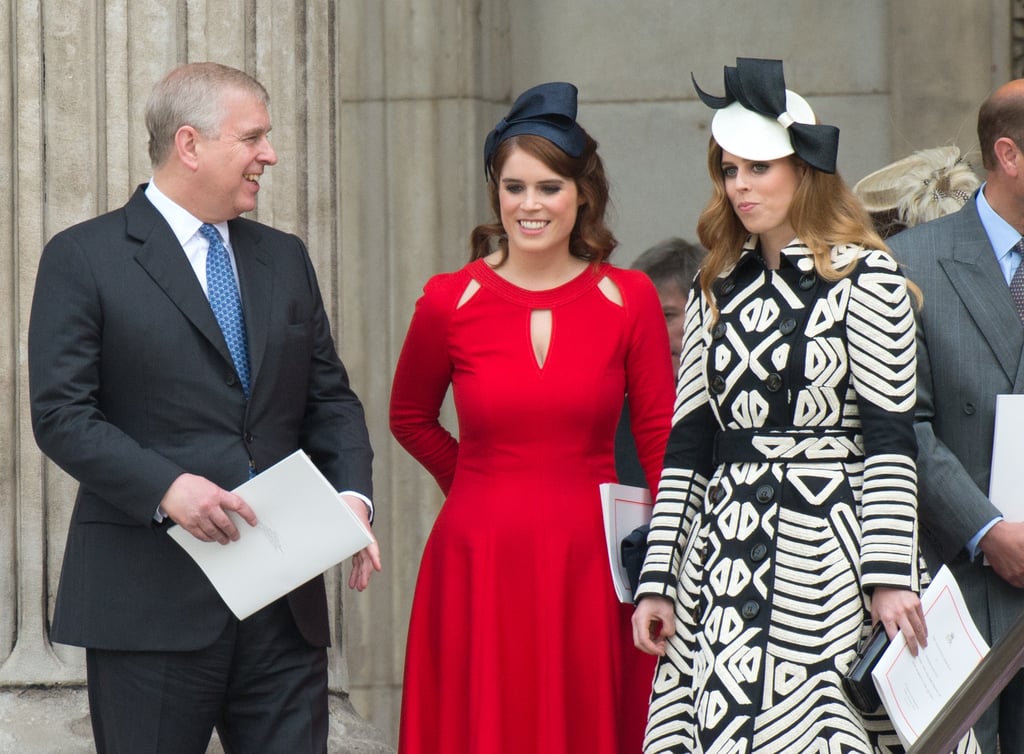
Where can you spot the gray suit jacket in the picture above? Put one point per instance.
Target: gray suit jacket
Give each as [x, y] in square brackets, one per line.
[970, 344]
[132, 385]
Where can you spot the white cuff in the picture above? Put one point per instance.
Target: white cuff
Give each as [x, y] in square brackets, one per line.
[364, 498]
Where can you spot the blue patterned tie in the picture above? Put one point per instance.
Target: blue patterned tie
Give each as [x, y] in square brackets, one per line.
[226, 303]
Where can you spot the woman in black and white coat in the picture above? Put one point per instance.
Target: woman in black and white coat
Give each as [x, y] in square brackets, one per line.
[786, 521]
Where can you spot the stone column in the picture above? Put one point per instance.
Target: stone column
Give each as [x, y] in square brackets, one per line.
[946, 57]
[413, 118]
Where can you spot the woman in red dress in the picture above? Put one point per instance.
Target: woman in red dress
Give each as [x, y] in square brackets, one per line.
[516, 641]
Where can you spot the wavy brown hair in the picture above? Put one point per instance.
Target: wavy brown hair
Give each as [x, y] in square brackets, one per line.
[824, 213]
[591, 239]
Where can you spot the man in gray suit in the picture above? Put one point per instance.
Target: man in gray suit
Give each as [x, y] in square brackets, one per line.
[176, 349]
[970, 349]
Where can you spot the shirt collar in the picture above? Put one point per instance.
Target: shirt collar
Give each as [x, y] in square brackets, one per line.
[183, 223]
[1001, 234]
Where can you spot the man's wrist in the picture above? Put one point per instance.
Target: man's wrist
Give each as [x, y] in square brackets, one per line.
[366, 501]
[974, 543]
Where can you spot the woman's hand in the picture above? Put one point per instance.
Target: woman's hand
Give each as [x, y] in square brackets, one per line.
[654, 620]
[899, 609]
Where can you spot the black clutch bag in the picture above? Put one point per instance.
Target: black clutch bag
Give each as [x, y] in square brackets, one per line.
[857, 683]
[633, 549]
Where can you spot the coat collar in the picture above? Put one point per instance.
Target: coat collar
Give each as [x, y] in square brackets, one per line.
[974, 274]
[795, 254]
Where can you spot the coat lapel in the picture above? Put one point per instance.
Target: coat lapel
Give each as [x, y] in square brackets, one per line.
[163, 259]
[255, 275]
[977, 279]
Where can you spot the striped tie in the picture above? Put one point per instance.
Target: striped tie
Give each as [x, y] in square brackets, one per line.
[1017, 283]
[226, 303]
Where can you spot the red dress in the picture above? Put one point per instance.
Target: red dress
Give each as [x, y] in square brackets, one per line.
[517, 643]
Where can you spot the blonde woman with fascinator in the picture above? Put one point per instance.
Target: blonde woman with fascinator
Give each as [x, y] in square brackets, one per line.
[925, 185]
[517, 642]
[785, 524]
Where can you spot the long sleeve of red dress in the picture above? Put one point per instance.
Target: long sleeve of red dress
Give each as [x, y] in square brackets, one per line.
[422, 377]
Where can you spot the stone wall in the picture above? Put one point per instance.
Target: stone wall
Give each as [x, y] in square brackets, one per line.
[380, 109]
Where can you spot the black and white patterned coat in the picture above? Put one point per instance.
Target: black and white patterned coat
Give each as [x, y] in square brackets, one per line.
[789, 492]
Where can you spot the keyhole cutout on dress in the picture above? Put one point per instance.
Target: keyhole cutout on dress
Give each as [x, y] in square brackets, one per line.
[541, 320]
[540, 334]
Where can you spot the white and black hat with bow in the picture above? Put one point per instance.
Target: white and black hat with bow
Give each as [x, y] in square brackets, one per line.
[759, 119]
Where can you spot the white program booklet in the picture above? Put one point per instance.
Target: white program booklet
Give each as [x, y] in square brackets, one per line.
[304, 528]
[915, 689]
[624, 508]
[1006, 483]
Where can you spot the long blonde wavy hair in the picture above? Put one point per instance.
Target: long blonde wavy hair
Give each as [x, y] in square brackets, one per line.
[824, 213]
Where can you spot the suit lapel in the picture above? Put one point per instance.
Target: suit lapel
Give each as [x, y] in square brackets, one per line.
[975, 275]
[165, 262]
[255, 275]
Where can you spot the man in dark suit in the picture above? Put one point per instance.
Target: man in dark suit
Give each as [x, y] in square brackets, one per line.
[158, 406]
[970, 349]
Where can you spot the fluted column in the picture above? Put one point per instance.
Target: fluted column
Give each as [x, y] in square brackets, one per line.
[33, 529]
[412, 118]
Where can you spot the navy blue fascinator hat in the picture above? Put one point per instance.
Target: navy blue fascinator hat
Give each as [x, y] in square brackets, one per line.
[759, 119]
[547, 110]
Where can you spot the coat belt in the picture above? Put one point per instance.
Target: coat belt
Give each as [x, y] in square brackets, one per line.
[787, 444]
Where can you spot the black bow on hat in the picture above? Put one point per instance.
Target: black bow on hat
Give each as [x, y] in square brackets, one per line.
[759, 85]
[547, 110]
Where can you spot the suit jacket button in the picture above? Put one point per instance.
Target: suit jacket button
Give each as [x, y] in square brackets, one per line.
[718, 384]
[807, 281]
[773, 382]
[969, 408]
[765, 494]
[758, 552]
[750, 609]
[719, 331]
[787, 325]
[231, 380]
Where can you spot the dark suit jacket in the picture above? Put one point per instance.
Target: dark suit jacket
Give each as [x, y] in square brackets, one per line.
[132, 385]
[970, 348]
[627, 458]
